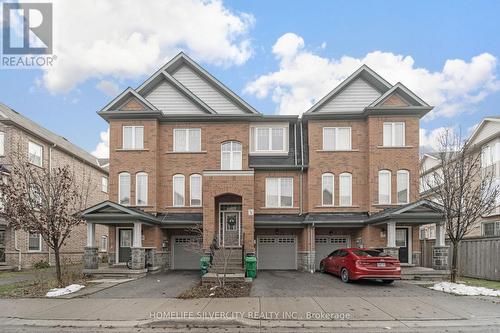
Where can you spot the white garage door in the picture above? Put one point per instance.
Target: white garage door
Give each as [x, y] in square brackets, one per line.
[185, 253]
[327, 244]
[277, 252]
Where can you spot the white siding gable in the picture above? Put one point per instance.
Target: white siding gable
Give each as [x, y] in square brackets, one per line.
[489, 129]
[169, 100]
[205, 91]
[429, 163]
[354, 98]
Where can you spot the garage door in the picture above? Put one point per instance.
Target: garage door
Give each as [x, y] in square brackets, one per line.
[185, 253]
[277, 252]
[327, 244]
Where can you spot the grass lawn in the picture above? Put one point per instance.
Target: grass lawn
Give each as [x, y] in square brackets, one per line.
[480, 283]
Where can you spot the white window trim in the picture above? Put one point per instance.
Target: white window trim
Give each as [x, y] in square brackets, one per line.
[187, 140]
[142, 173]
[349, 175]
[120, 188]
[2, 146]
[39, 243]
[385, 171]
[393, 134]
[134, 143]
[279, 192]
[231, 155]
[184, 190]
[253, 140]
[335, 138]
[407, 186]
[41, 153]
[496, 230]
[323, 189]
[191, 192]
[101, 249]
[104, 189]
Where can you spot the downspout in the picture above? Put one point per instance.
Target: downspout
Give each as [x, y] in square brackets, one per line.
[16, 247]
[50, 168]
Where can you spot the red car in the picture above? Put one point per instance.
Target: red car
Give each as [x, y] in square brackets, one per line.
[355, 264]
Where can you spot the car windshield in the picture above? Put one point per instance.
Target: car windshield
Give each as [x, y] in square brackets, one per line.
[367, 253]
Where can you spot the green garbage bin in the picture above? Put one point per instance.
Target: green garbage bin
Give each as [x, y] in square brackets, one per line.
[204, 263]
[251, 266]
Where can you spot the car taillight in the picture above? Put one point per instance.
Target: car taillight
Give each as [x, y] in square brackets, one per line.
[397, 264]
[362, 263]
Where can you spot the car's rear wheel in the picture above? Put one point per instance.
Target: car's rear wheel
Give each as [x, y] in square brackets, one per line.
[387, 281]
[344, 275]
[321, 267]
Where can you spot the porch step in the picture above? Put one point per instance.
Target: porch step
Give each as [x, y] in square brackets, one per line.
[423, 273]
[6, 268]
[213, 278]
[115, 273]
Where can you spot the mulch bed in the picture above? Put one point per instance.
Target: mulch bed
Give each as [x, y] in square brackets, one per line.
[231, 290]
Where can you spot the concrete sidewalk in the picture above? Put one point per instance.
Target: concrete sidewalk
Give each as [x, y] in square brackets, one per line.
[256, 312]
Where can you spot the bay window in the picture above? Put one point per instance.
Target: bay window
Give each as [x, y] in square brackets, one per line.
[269, 138]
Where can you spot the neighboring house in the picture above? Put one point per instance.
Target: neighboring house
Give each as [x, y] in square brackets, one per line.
[45, 149]
[186, 151]
[485, 141]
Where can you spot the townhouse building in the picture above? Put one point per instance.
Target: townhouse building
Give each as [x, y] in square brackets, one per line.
[485, 141]
[19, 137]
[186, 152]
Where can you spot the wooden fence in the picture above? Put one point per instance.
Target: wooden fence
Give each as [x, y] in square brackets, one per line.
[477, 257]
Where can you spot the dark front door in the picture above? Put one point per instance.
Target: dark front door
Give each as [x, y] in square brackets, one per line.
[402, 243]
[232, 226]
[125, 243]
[2, 245]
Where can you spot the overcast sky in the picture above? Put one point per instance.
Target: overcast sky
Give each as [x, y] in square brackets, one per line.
[280, 56]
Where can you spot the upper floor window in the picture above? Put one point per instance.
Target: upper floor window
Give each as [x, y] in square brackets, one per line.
[279, 192]
[490, 154]
[491, 228]
[384, 187]
[104, 184]
[394, 134]
[178, 190]
[345, 189]
[269, 138]
[35, 153]
[403, 184]
[141, 189]
[231, 155]
[195, 190]
[34, 242]
[336, 138]
[124, 188]
[133, 137]
[187, 139]
[327, 183]
[2, 143]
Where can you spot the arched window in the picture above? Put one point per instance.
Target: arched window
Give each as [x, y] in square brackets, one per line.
[124, 188]
[195, 190]
[231, 155]
[178, 190]
[384, 187]
[403, 184]
[345, 189]
[141, 189]
[327, 185]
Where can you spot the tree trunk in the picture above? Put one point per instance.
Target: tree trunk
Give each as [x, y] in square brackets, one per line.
[454, 263]
[58, 267]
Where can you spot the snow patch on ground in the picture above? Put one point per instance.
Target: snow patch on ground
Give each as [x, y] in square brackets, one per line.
[462, 289]
[63, 291]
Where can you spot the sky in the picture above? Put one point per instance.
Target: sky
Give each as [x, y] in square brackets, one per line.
[280, 56]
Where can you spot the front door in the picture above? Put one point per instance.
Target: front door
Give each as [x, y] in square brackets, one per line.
[125, 243]
[232, 228]
[402, 243]
[2, 245]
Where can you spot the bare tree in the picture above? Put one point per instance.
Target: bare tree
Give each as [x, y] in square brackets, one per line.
[465, 190]
[47, 201]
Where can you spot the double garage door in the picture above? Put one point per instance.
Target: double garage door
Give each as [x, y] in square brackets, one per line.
[185, 253]
[327, 244]
[277, 252]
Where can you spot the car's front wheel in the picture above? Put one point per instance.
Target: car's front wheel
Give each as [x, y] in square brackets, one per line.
[344, 275]
[321, 267]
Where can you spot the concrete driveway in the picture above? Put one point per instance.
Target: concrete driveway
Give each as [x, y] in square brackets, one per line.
[296, 284]
[160, 285]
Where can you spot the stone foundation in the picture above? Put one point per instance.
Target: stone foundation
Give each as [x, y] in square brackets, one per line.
[440, 255]
[416, 258]
[392, 251]
[111, 259]
[306, 261]
[91, 258]
[138, 257]
[162, 260]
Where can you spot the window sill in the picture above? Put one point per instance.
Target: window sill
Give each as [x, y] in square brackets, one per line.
[131, 149]
[389, 204]
[186, 152]
[336, 206]
[190, 207]
[337, 151]
[34, 251]
[279, 208]
[36, 165]
[270, 153]
[394, 147]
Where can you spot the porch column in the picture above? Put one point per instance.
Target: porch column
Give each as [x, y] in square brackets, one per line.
[391, 248]
[440, 252]
[91, 252]
[440, 234]
[138, 252]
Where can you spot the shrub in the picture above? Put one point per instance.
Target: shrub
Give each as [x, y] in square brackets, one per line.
[41, 264]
